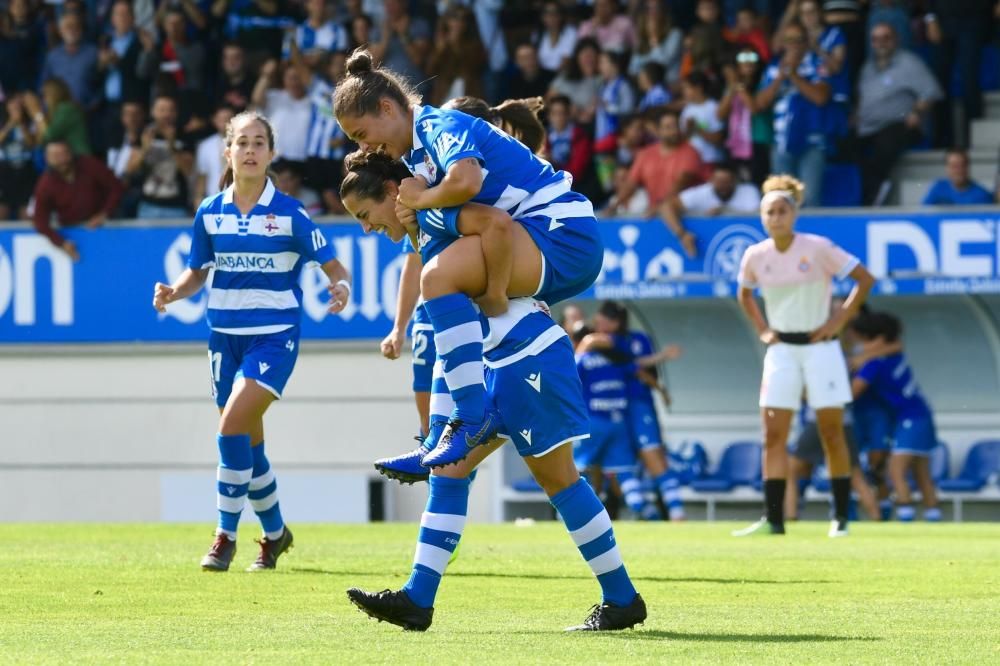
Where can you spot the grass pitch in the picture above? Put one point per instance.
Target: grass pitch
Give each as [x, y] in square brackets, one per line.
[891, 593]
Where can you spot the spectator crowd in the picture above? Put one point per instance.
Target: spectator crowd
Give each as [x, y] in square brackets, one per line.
[116, 108]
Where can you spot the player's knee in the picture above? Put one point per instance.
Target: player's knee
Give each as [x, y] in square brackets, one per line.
[231, 423]
[775, 440]
[831, 434]
[554, 481]
[434, 282]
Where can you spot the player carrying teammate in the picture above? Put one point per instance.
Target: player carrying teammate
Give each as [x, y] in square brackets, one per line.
[554, 251]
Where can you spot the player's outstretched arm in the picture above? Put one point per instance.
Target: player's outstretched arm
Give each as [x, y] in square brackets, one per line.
[188, 284]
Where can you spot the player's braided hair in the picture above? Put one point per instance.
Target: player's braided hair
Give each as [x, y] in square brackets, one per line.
[365, 85]
[251, 115]
[367, 174]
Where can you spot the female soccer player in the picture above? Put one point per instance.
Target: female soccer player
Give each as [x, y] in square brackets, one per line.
[606, 376]
[612, 332]
[258, 241]
[553, 253]
[519, 118]
[794, 272]
[914, 437]
[532, 378]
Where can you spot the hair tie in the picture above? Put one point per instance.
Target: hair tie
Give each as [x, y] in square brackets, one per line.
[779, 194]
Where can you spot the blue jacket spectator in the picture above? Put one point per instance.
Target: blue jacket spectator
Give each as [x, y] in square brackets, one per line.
[798, 89]
[957, 189]
[74, 61]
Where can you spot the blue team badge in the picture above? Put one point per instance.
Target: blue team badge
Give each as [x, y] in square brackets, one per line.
[804, 265]
[243, 226]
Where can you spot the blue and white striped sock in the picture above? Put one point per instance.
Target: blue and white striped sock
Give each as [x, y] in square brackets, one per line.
[458, 335]
[441, 405]
[441, 528]
[235, 470]
[263, 494]
[632, 491]
[590, 527]
[669, 487]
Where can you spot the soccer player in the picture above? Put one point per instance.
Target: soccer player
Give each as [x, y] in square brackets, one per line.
[553, 253]
[795, 272]
[532, 379]
[606, 377]
[612, 332]
[519, 119]
[914, 436]
[258, 240]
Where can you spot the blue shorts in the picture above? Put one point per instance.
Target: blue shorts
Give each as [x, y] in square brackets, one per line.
[872, 428]
[643, 425]
[915, 436]
[572, 254]
[266, 359]
[423, 351]
[540, 399]
[609, 446]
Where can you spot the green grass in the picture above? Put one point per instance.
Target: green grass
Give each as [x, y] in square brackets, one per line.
[898, 594]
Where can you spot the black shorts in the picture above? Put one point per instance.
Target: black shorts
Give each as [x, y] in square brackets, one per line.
[809, 448]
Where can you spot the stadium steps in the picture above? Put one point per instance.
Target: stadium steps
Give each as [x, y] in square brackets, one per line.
[917, 169]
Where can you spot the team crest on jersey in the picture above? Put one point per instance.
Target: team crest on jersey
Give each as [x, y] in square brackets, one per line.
[431, 167]
[270, 228]
[804, 265]
[422, 240]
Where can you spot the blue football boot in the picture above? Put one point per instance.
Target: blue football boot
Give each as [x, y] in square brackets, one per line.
[460, 437]
[406, 468]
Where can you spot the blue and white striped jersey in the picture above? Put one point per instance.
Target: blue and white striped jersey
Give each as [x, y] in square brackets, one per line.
[526, 329]
[330, 36]
[323, 125]
[258, 258]
[516, 179]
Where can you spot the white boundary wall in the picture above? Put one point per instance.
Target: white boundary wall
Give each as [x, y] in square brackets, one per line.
[128, 434]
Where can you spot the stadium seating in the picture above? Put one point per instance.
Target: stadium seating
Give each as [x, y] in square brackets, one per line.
[982, 461]
[739, 466]
[977, 480]
[736, 478]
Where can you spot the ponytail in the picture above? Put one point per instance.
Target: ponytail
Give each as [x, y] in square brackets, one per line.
[365, 85]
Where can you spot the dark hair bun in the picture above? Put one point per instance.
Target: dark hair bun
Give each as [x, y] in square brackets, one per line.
[360, 62]
[379, 164]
